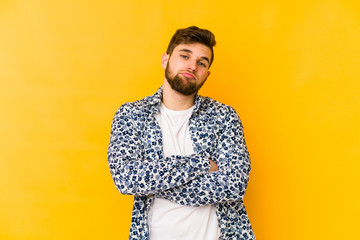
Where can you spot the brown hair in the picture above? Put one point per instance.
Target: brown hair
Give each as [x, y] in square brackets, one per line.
[192, 34]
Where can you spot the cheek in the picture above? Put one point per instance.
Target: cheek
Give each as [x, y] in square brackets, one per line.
[202, 74]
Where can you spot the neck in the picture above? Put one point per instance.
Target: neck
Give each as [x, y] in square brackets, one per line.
[174, 100]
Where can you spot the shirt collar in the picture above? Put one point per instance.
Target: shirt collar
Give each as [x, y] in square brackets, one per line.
[155, 100]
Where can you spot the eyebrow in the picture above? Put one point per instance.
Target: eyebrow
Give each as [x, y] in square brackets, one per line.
[189, 51]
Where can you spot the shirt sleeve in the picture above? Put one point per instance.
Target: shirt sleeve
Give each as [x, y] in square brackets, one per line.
[135, 174]
[229, 183]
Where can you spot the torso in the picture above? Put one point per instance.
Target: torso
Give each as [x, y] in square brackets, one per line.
[170, 220]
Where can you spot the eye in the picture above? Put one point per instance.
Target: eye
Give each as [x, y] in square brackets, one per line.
[201, 64]
[184, 56]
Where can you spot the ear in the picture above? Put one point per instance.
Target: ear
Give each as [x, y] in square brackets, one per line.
[208, 73]
[164, 60]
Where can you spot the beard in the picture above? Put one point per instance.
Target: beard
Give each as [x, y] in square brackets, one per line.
[178, 84]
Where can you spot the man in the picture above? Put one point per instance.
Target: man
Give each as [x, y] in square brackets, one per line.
[181, 155]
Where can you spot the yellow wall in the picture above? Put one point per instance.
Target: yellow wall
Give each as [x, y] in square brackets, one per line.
[290, 68]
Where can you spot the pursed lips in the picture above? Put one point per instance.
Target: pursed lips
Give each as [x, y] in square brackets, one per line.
[188, 75]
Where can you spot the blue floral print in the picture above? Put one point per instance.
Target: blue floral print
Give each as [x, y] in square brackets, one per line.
[138, 167]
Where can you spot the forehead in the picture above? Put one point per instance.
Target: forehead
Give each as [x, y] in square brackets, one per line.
[198, 49]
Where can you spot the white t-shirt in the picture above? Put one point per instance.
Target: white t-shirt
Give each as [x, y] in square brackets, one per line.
[169, 220]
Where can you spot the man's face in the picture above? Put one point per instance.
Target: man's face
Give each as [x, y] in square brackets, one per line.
[186, 69]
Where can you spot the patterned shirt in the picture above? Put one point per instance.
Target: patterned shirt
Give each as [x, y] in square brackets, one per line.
[138, 167]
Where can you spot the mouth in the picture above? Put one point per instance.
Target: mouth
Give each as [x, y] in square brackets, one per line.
[188, 75]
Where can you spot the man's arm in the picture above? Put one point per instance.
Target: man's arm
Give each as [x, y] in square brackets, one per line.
[213, 166]
[229, 182]
[133, 173]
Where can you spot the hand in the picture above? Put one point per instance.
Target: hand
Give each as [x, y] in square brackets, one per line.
[213, 166]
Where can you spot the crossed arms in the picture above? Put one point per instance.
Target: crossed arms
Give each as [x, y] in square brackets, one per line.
[187, 180]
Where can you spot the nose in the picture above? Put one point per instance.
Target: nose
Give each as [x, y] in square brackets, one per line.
[192, 66]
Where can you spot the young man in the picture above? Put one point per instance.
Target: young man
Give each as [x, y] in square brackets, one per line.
[181, 155]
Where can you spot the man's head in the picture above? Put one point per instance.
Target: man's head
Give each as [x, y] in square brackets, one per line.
[188, 58]
[192, 34]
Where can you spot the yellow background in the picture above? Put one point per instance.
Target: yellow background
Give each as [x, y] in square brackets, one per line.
[290, 69]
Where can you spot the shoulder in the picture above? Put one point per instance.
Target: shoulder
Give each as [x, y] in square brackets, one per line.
[131, 114]
[134, 107]
[212, 106]
[219, 112]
